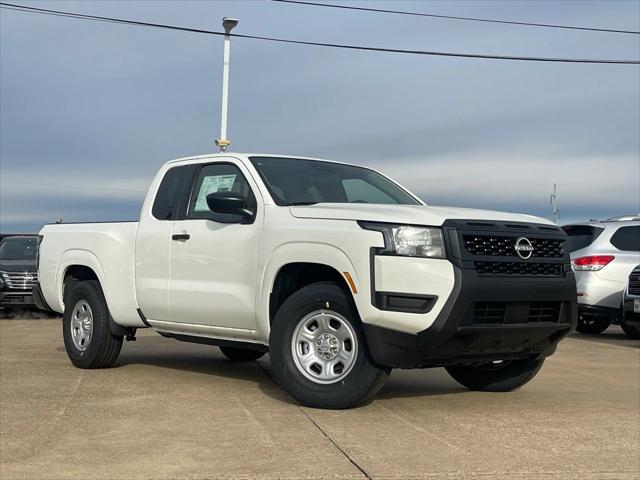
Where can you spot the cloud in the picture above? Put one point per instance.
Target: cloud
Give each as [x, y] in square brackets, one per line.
[87, 124]
[519, 181]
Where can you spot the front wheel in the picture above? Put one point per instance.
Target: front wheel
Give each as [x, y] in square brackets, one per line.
[499, 376]
[318, 352]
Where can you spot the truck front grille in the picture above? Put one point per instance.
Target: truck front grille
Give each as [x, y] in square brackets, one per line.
[514, 313]
[19, 280]
[504, 246]
[520, 268]
[634, 282]
[489, 312]
[544, 312]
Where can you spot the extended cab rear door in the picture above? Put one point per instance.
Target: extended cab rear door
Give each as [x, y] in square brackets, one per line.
[153, 241]
[214, 264]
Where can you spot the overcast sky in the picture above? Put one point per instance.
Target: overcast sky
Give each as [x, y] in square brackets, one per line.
[89, 111]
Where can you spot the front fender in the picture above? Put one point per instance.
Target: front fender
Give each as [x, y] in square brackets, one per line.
[300, 252]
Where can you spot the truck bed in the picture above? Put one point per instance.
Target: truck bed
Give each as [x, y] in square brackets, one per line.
[108, 247]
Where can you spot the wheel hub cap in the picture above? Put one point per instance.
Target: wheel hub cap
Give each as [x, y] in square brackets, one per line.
[328, 346]
[324, 346]
[81, 325]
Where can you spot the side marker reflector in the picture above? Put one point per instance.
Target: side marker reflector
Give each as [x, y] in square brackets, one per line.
[350, 282]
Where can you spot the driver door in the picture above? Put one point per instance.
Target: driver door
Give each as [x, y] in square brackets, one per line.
[213, 264]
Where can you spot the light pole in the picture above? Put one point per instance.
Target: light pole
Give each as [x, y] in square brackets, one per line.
[228, 24]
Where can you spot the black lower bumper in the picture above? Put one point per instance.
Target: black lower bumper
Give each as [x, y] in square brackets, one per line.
[629, 316]
[484, 319]
[597, 311]
[9, 298]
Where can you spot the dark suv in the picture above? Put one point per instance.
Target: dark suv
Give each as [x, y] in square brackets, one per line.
[631, 305]
[18, 270]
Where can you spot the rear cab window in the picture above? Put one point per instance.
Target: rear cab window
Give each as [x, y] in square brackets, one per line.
[581, 236]
[172, 192]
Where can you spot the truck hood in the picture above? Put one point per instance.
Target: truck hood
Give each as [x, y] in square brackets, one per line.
[409, 214]
[18, 265]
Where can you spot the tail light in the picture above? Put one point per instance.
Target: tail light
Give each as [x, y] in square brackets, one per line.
[591, 263]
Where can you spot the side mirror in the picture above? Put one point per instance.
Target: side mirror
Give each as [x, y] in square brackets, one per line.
[229, 203]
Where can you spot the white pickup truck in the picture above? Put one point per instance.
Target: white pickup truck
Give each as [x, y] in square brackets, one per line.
[335, 270]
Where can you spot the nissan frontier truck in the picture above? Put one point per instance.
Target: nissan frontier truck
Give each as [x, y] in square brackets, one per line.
[336, 271]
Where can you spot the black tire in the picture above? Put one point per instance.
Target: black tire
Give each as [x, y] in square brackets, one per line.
[490, 377]
[363, 380]
[631, 331]
[103, 348]
[592, 324]
[241, 354]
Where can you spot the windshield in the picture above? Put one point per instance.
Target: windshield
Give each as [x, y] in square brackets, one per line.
[304, 182]
[18, 248]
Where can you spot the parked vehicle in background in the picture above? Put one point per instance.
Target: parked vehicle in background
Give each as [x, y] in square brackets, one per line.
[335, 270]
[631, 305]
[603, 254]
[18, 270]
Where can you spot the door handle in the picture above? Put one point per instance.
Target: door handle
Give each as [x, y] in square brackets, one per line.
[180, 237]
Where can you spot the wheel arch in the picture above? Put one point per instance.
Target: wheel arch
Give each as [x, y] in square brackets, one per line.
[78, 265]
[295, 275]
[295, 265]
[76, 273]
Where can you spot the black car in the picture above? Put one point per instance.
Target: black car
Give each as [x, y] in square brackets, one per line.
[18, 270]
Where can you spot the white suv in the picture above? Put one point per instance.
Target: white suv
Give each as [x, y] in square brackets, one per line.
[603, 254]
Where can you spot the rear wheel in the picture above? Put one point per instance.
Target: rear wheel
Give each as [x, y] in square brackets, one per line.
[86, 330]
[592, 324]
[318, 352]
[499, 376]
[241, 354]
[631, 331]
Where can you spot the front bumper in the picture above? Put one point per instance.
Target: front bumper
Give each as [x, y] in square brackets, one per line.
[456, 337]
[486, 317]
[9, 298]
[629, 316]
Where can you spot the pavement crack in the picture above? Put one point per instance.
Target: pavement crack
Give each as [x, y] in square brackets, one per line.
[346, 455]
[326, 435]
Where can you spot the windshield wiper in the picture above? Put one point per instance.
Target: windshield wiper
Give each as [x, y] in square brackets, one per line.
[297, 204]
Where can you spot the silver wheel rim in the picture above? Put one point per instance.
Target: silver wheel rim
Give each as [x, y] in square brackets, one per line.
[81, 325]
[324, 346]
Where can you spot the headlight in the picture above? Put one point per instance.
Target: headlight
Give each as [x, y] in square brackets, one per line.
[410, 241]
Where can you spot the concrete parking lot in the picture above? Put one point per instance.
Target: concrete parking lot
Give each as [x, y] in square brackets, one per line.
[172, 410]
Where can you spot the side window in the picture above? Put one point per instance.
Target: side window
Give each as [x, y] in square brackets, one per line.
[218, 177]
[627, 239]
[359, 191]
[170, 193]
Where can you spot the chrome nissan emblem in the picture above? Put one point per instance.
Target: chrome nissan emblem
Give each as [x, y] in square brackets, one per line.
[524, 249]
[28, 277]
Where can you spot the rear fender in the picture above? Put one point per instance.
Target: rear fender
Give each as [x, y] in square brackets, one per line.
[118, 291]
